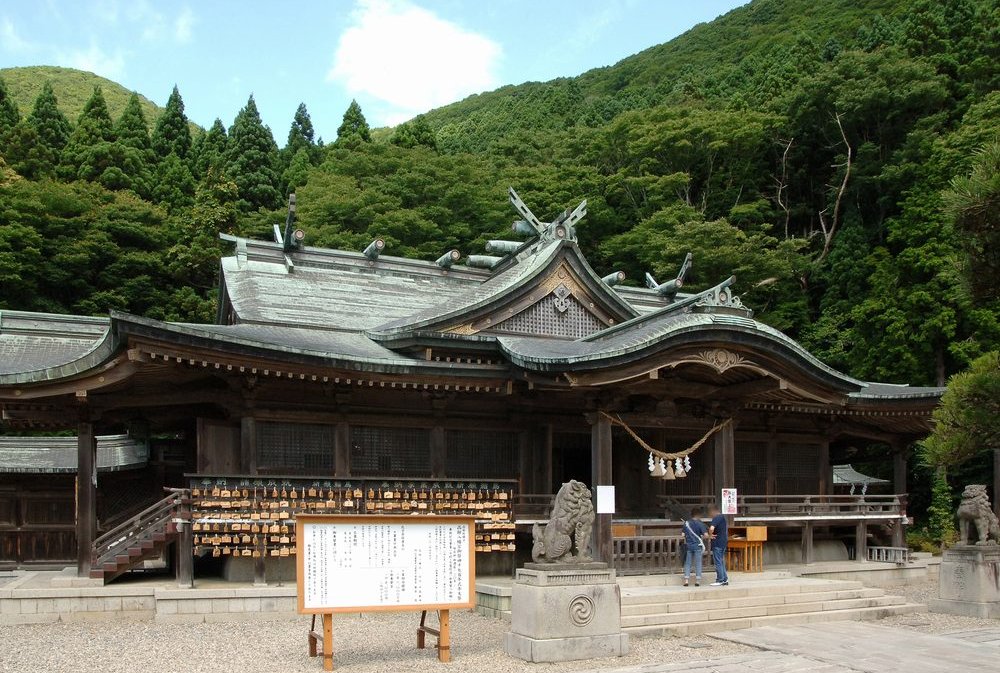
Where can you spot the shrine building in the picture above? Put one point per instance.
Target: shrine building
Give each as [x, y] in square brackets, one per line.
[343, 381]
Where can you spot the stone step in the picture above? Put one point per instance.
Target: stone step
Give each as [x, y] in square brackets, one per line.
[721, 602]
[696, 615]
[717, 625]
[640, 595]
[676, 579]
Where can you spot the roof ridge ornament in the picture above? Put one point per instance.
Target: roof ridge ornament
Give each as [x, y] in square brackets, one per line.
[671, 287]
[721, 299]
[563, 227]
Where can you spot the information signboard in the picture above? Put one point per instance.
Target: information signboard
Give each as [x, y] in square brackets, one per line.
[351, 563]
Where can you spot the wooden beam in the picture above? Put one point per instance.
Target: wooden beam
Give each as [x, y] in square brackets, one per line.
[342, 450]
[807, 543]
[825, 471]
[899, 466]
[861, 542]
[86, 496]
[438, 452]
[114, 372]
[248, 444]
[600, 463]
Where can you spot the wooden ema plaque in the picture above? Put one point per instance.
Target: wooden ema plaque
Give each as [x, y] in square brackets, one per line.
[352, 563]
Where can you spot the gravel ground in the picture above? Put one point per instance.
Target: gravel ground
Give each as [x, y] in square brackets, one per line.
[932, 622]
[362, 644]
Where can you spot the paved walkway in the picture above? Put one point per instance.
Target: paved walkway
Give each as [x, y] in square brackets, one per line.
[870, 648]
[844, 647]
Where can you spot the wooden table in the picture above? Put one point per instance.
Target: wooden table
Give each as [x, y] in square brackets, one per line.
[746, 543]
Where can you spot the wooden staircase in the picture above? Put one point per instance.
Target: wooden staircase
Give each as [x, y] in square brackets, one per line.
[140, 538]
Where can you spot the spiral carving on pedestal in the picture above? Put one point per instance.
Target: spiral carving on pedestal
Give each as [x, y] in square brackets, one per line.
[581, 610]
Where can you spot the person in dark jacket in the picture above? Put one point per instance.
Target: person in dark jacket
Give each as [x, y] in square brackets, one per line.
[694, 534]
[718, 530]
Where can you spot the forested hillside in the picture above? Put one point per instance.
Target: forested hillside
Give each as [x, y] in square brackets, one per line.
[72, 88]
[810, 148]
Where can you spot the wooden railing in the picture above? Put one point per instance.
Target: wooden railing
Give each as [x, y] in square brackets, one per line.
[898, 555]
[646, 554]
[792, 507]
[155, 518]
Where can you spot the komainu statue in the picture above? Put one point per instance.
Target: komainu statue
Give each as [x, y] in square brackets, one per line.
[569, 526]
[975, 509]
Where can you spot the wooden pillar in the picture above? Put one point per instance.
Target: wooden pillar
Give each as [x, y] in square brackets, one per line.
[185, 545]
[899, 460]
[861, 542]
[248, 444]
[438, 452]
[772, 465]
[527, 465]
[825, 474]
[86, 496]
[342, 450]
[807, 542]
[600, 463]
[725, 461]
[545, 468]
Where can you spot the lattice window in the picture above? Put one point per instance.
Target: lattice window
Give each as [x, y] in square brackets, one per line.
[396, 452]
[798, 469]
[481, 454]
[751, 467]
[553, 316]
[295, 448]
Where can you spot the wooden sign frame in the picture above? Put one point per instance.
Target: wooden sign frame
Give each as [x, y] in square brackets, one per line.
[443, 632]
[376, 519]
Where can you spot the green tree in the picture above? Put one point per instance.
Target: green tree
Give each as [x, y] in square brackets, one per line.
[174, 184]
[131, 161]
[42, 146]
[941, 512]
[172, 133]
[211, 154]
[301, 134]
[354, 128]
[87, 153]
[413, 133]
[968, 421]
[973, 203]
[9, 115]
[252, 160]
[298, 170]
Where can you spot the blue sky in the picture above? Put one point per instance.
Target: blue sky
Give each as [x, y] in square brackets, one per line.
[396, 57]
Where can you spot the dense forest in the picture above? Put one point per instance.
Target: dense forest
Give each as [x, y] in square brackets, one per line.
[838, 157]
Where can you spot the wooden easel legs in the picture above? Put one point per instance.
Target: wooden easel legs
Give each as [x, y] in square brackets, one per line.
[443, 634]
[326, 639]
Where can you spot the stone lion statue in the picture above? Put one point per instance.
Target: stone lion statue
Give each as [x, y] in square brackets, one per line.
[570, 522]
[975, 509]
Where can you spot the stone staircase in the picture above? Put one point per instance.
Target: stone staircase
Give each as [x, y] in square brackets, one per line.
[659, 605]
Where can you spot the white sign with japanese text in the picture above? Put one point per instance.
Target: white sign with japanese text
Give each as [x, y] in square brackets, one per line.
[385, 563]
[729, 501]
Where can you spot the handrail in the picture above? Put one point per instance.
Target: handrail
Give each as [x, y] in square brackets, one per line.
[157, 513]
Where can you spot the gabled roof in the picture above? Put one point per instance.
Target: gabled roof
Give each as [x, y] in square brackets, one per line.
[534, 273]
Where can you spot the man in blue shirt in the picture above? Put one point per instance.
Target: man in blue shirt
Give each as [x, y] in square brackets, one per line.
[718, 529]
[694, 531]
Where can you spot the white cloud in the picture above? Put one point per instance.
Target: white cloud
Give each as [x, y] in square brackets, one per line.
[411, 60]
[95, 60]
[183, 24]
[11, 40]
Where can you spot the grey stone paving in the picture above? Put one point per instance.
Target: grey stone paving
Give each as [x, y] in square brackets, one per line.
[759, 662]
[987, 636]
[870, 648]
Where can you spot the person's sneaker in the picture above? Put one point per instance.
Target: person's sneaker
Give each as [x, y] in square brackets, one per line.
[697, 584]
[720, 584]
[685, 583]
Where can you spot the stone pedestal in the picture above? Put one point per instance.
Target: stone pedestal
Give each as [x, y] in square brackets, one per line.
[565, 612]
[970, 582]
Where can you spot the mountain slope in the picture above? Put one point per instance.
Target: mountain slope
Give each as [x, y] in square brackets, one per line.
[719, 58]
[72, 88]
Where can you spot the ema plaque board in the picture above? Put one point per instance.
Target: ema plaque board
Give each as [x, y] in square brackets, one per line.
[367, 563]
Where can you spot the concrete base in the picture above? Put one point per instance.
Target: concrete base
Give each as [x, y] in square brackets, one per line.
[970, 582]
[565, 649]
[566, 614]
